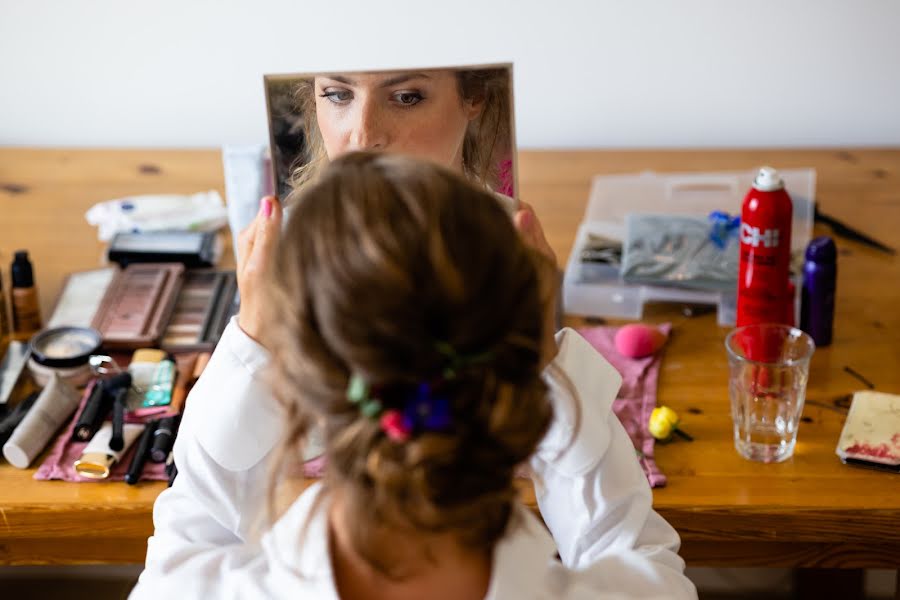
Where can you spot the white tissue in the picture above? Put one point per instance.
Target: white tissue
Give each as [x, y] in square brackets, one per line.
[203, 211]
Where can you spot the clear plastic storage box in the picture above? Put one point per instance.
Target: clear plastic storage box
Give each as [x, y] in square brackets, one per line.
[615, 196]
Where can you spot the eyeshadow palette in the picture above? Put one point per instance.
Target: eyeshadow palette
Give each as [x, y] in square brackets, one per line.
[205, 303]
[137, 305]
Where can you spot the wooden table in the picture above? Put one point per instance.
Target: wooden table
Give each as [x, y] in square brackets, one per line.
[810, 511]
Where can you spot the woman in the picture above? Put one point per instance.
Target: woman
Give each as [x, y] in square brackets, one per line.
[458, 118]
[422, 357]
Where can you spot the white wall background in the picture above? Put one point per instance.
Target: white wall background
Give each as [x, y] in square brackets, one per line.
[602, 73]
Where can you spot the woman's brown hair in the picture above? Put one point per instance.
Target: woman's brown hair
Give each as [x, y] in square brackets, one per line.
[486, 145]
[384, 261]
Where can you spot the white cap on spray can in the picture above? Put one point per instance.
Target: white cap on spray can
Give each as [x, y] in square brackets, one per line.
[768, 180]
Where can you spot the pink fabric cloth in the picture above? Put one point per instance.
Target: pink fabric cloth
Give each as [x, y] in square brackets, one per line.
[59, 463]
[637, 396]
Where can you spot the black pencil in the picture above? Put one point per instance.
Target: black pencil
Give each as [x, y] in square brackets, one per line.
[140, 455]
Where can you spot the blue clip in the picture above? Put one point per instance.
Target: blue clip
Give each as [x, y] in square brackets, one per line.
[722, 227]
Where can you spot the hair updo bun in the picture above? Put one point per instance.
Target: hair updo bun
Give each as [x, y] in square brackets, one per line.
[383, 260]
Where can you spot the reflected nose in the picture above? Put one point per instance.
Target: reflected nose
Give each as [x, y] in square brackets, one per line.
[369, 129]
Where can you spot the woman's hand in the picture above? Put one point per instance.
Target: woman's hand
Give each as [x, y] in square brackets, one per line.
[531, 231]
[533, 234]
[256, 254]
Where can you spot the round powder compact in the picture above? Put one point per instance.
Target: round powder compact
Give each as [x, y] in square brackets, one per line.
[64, 351]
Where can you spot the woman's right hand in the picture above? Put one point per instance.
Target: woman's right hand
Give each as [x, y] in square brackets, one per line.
[256, 254]
[529, 227]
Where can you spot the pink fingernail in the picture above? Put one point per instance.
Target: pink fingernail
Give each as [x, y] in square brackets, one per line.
[526, 219]
[267, 207]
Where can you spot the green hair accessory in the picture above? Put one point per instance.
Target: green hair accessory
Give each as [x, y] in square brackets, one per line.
[457, 362]
[358, 393]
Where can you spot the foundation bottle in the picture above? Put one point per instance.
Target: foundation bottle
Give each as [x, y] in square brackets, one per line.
[26, 311]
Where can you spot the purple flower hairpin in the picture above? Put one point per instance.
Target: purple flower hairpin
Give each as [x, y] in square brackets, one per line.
[423, 411]
[422, 408]
[428, 411]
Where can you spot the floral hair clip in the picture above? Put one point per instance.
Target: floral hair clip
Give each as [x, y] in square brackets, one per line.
[358, 393]
[421, 407]
[422, 410]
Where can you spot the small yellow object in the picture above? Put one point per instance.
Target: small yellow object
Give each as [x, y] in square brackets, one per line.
[664, 422]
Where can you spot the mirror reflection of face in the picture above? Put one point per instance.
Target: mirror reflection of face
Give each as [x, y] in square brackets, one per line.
[416, 113]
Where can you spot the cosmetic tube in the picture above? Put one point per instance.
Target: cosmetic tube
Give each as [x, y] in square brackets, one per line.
[117, 441]
[164, 438]
[11, 421]
[98, 457]
[53, 407]
[98, 406]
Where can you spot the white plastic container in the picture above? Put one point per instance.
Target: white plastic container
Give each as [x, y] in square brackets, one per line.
[615, 196]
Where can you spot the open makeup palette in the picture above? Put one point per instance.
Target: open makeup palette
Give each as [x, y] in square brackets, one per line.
[202, 309]
[150, 305]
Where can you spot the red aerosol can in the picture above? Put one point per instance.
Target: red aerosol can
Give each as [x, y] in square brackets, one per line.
[764, 294]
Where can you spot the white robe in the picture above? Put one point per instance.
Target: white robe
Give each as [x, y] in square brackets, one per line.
[594, 499]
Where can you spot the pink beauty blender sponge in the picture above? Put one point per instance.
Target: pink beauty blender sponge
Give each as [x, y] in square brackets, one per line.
[638, 341]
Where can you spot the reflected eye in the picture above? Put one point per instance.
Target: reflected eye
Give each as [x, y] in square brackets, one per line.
[408, 98]
[337, 96]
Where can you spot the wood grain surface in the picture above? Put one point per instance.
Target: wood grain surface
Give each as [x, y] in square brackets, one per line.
[809, 511]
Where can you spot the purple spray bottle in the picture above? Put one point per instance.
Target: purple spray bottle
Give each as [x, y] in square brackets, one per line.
[817, 297]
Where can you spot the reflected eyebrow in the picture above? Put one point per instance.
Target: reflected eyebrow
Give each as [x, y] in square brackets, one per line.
[402, 78]
[340, 79]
